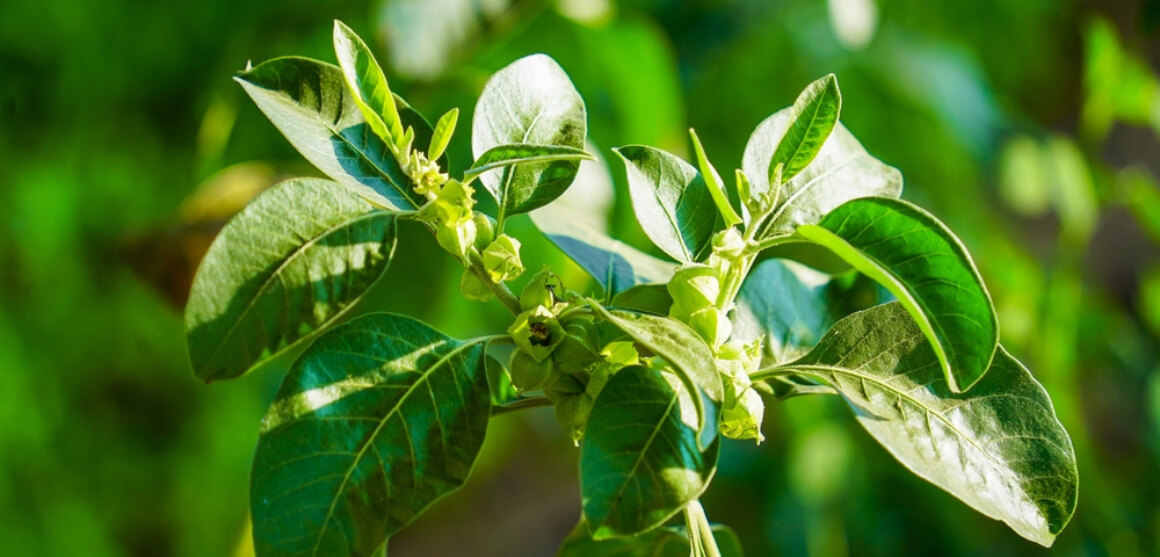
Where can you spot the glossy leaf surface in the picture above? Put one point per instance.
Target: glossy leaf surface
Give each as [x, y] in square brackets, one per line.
[814, 114]
[921, 262]
[662, 542]
[367, 83]
[285, 267]
[378, 419]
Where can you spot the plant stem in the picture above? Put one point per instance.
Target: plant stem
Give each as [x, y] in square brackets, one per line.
[520, 404]
[501, 290]
[701, 540]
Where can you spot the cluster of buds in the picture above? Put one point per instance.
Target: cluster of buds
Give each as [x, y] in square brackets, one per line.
[743, 407]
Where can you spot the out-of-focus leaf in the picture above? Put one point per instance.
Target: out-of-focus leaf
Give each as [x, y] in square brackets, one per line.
[998, 448]
[920, 261]
[814, 115]
[640, 462]
[531, 101]
[1023, 182]
[670, 541]
[377, 420]
[285, 268]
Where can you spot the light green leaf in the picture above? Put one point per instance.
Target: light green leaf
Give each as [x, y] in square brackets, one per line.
[671, 541]
[441, 136]
[998, 448]
[682, 348]
[714, 182]
[377, 420]
[367, 83]
[308, 102]
[531, 101]
[503, 156]
[814, 114]
[916, 257]
[640, 462]
[671, 200]
[841, 171]
[283, 269]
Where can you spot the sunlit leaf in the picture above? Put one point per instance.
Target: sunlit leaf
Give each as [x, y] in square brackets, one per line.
[367, 84]
[504, 156]
[814, 113]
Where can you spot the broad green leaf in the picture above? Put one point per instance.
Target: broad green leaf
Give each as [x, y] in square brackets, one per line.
[504, 156]
[998, 448]
[814, 115]
[671, 200]
[920, 261]
[640, 462]
[283, 269]
[684, 349]
[367, 84]
[441, 135]
[785, 302]
[308, 102]
[671, 541]
[376, 420]
[531, 101]
[615, 265]
[841, 171]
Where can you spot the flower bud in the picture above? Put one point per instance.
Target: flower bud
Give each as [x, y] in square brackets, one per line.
[543, 290]
[712, 325]
[473, 288]
[694, 286]
[565, 384]
[456, 236]
[572, 412]
[536, 332]
[728, 243]
[501, 259]
[484, 230]
[580, 347]
[528, 374]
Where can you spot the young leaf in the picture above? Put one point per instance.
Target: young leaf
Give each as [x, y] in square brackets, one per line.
[309, 103]
[671, 200]
[377, 420]
[713, 181]
[274, 277]
[531, 101]
[441, 137]
[683, 348]
[367, 83]
[999, 448]
[814, 113]
[640, 462]
[671, 541]
[615, 265]
[920, 261]
[842, 170]
[503, 156]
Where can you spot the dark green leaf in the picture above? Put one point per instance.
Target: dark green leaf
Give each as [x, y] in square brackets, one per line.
[640, 462]
[684, 349]
[671, 200]
[670, 541]
[814, 115]
[378, 419]
[503, 156]
[367, 83]
[921, 262]
[283, 269]
[999, 448]
[841, 171]
[309, 103]
[531, 101]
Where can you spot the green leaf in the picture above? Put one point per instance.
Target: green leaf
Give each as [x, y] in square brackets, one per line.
[714, 182]
[671, 200]
[367, 83]
[640, 462]
[441, 136]
[377, 420]
[671, 541]
[503, 156]
[308, 102]
[999, 448]
[531, 101]
[684, 349]
[283, 269]
[920, 261]
[615, 265]
[841, 171]
[785, 302]
[814, 114]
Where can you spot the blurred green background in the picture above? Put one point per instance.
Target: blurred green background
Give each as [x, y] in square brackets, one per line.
[1030, 127]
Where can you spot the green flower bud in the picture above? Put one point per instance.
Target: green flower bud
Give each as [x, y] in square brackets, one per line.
[598, 378]
[743, 407]
[728, 243]
[694, 286]
[473, 288]
[564, 385]
[712, 325]
[572, 412]
[484, 230]
[528, 374]
[456, 236]
[543, 290]
[501, 259]
[536, 332]
[580, 347]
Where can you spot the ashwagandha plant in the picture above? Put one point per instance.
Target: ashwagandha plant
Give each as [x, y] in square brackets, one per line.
[382, 415]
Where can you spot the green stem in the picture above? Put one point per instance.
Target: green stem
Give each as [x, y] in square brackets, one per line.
[501, 290]
[701, 540]
[520, 404]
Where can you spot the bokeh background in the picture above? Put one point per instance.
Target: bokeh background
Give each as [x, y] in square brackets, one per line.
[1030, 127]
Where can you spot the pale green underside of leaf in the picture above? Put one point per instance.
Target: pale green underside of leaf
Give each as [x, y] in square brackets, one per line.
[671, 201]
[640, 462]
[814, 114]
[531, 101]
[921, 262]
[841, 171]
[998, 448]
[615, 265]
[284, 268]
[669, 541]
[309, 103]
[504, 156]
[377, 420]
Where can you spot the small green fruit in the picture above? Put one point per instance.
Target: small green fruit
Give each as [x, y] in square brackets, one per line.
[528, 374]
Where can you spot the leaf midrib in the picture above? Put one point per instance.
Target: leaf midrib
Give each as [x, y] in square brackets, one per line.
[640, 455]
